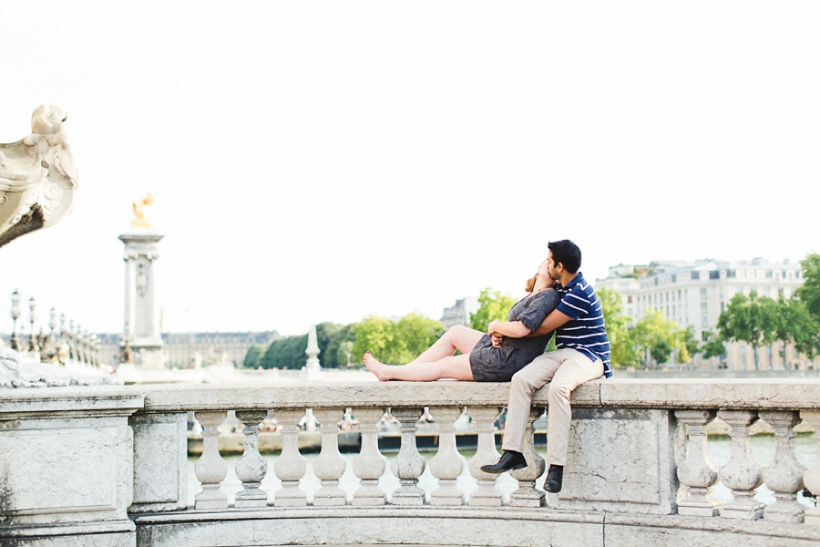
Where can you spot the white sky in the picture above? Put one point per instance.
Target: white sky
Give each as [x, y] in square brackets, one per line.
[322, 161]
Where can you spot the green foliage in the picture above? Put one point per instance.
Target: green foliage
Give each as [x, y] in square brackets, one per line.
[418, 333]
[254, 356]
[492, 305]
[798, 326]
[809, 292]
[753, 319]
[329, 337]
[378, 336]
[286, 353]
[714, 345]
[621, 344]
[660, 337]
[395, 343]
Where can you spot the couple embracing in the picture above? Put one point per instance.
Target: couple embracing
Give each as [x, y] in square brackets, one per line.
[559, 300]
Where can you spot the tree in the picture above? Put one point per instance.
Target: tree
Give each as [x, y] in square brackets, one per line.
[492, 305]
[622, 347]
[254, 356]
[751, 319]
[333, 354]
[798, 326]
[715, 346]
[809, 292]
[418, 333]
[659, 337]
[286, 353]
[378, 336]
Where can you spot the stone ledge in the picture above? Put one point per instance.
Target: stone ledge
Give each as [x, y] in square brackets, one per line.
[761, 394]
[70, 399]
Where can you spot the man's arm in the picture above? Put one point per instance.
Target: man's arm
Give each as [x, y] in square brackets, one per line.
[554, 320]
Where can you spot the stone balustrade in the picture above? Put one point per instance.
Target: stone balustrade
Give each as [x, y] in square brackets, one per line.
[631, 478]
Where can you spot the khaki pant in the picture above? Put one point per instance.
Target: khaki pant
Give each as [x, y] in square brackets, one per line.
[565, 369]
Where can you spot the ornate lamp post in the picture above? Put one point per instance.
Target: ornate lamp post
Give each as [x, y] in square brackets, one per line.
[15, 315]
[32, 340]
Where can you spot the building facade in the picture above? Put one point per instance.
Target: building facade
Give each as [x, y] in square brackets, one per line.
[190, 350]
[694, 295]
[459, 313]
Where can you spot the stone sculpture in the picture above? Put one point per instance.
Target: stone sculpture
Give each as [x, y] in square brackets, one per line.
[38, 186]
[15, 373]
[38, 179]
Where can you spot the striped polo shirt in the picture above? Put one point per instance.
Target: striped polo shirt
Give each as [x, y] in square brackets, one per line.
[585, 330]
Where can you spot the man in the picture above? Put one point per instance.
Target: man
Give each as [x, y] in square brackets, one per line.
[581, 355]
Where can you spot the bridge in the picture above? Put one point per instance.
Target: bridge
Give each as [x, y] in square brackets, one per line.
[106, 466]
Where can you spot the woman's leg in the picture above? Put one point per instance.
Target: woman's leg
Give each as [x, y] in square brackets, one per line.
[456, 367]
[457, 337]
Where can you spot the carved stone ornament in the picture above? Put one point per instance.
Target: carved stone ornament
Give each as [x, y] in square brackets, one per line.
[38, 179]
[15, 373]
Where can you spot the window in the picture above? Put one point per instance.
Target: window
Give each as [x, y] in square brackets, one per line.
[629, 299]
[704, 307]
[769, 274]
[695, 275]
[704, 322]
[714, 274]
[704, 336]
[731, 274]
[703, 293]
[722, 307]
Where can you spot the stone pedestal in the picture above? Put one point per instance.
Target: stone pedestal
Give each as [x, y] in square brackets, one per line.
[142, 327]
[67, 460]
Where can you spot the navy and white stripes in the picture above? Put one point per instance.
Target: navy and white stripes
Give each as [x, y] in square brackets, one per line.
[585, 331]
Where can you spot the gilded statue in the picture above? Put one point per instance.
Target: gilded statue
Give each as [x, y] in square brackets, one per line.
[139, 211]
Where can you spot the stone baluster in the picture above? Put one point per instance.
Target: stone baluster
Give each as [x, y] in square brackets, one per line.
[211, 469]
[784, 476]
[447, 464]
[698, 471]
[527, 495]
[811, 477]
[251, 468]
[369, 465]
[330, 465]
[290, 466]
[741, 473]
[486, 495]
[408, 464]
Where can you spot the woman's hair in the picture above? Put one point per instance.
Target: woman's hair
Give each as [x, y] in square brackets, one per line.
[530, 284]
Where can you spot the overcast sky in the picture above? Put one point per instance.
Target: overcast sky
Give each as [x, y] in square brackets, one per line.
[323, 161]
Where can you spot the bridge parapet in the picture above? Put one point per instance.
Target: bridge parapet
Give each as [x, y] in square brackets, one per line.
[639, 468]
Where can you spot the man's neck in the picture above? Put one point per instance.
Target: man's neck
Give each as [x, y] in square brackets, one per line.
[566, 277]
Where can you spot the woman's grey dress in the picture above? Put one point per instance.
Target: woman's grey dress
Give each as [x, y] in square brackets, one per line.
[491, 364]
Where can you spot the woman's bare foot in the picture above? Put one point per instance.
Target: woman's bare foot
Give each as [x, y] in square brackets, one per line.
[378, 369]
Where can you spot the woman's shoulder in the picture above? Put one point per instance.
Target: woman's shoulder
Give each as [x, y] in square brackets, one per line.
[547, 296]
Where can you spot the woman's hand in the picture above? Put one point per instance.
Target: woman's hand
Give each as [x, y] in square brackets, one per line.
[497, 339]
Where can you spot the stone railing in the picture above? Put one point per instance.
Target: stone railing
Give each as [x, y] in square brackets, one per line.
[631, 478]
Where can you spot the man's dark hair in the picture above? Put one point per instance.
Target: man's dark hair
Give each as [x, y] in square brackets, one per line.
[567, 253]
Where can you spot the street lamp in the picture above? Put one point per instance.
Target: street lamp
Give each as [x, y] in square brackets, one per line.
[15, 315]
[32, 341]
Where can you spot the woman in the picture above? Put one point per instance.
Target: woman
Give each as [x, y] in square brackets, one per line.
[480, 361]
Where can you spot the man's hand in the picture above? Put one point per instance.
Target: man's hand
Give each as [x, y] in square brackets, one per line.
[497, 339]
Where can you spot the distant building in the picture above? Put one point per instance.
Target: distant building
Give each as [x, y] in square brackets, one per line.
[459, 313]
[695, 293]
[185, 350]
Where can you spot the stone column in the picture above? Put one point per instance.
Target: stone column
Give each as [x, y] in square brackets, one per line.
[811, 477]
[741, 473]
[369, 465]
[486, 453]
[290, 466]
[447, 464]
[251, 468]
[409, 464]
[211, 469]
[698, 471]
[527, 494]
[330, 465]
[784, 476]
[141, 299]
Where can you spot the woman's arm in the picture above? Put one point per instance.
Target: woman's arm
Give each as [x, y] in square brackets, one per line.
[513, 329]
